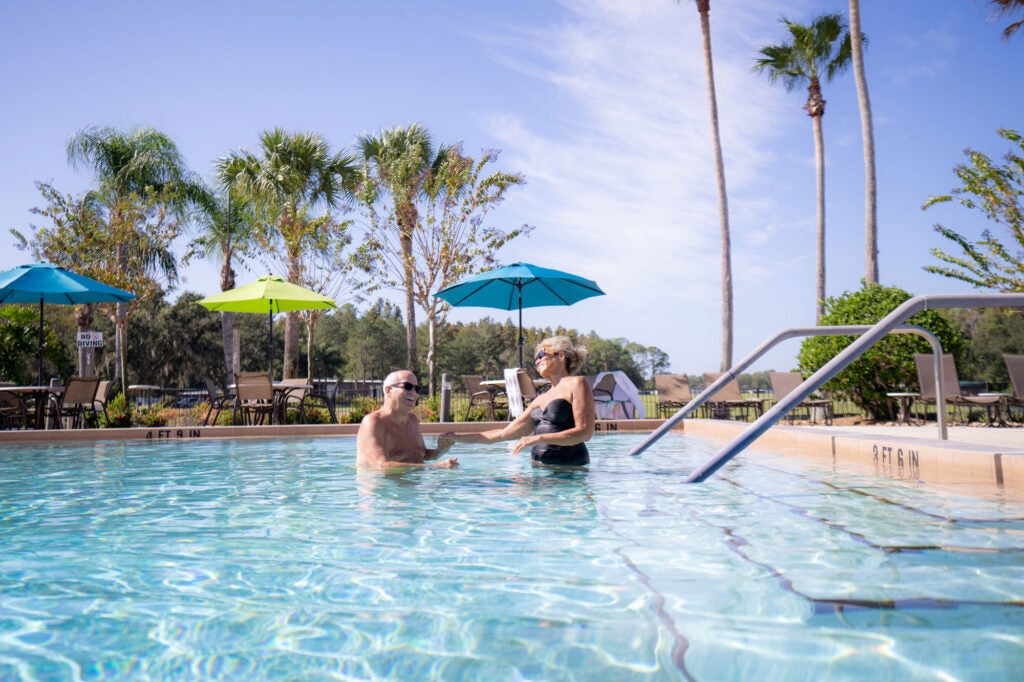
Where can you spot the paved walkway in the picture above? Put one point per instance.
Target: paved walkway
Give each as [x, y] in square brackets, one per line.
[1000, 436]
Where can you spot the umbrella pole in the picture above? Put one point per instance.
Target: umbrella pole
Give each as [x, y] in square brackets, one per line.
[40, 340]
[270, 343]
[520, 327]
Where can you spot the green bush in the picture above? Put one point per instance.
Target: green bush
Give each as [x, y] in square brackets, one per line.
[359, 408]
[429, 409]
[154, 418]
[119, 413]
[888, 366]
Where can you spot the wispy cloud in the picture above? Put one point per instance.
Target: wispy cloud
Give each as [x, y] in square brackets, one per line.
[628, 172]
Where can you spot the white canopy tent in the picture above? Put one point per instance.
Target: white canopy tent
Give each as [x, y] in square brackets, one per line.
[616, 397]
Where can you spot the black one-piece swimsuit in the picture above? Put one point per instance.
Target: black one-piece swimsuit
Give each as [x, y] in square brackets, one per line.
[556, 417]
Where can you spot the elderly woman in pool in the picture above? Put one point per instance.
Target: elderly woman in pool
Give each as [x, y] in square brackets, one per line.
[560, 420]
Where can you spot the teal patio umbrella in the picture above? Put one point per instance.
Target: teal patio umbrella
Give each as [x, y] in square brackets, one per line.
[269, 294]
[518, 286]
[47, 283]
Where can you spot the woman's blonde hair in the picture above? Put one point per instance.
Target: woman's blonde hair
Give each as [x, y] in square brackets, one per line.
[574, 356]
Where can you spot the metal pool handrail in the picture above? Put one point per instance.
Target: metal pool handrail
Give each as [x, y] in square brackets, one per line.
[766, 345]
[889, 323]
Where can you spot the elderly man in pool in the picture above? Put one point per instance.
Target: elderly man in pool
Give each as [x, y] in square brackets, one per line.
[391, 436]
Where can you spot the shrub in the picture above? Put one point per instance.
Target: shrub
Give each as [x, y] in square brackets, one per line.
[887, 366]
[119, 413]
[359, 408]
[154, 417]
[429, 409]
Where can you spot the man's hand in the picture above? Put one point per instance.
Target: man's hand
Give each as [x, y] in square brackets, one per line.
[447, 463]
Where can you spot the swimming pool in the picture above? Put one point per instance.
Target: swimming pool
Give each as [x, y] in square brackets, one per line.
[275, 559]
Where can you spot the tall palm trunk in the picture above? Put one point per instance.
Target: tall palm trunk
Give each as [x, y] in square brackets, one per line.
[84, 320]
[868, 139]
[291, 328]
[816, 110]
[121, 309]
[227, 282]
[704, 7]
[432, 335]
[406, 223]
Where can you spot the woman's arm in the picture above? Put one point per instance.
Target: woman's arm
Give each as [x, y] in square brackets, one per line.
[520, 427]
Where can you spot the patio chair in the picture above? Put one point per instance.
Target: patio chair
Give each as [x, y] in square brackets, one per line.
[254, 398]
[728, 400]
[324, 397]
[479, 394]
[76, 403]
[784, 383]
[102, 395]
[673, 393]
[217, 399]
[925, 363]
[13, 414]
[1015, 368]
[293, 394]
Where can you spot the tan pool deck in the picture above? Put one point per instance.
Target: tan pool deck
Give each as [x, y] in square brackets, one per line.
[984, 461]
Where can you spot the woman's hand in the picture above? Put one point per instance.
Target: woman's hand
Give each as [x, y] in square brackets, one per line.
[524, 442]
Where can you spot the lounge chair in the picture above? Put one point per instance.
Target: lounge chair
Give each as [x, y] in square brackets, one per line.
[925, 363]
[673, 393]
[728, 399]
[784, 383]
[482, 395]
[1015, 368]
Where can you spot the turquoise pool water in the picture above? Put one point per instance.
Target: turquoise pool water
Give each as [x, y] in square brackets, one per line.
[277, 560]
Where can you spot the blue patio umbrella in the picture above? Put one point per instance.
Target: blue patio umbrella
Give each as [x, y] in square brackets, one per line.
[518, 286]
[47, 283]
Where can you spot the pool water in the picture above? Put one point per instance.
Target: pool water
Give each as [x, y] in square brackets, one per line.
[278, 560]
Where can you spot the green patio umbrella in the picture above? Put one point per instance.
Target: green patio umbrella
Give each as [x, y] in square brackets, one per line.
[270, 294]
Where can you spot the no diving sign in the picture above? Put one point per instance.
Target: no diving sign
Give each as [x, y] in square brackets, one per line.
[90, 339]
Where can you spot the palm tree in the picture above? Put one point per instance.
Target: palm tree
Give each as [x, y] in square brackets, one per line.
[857, 40]
[135, 168]
[819, 51]
[295, 173]
[225, 234]
[1005, 7]
[704, 8]
[400, 161]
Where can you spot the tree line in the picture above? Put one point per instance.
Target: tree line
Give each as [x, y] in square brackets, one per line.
[420, 221]
[179, 344]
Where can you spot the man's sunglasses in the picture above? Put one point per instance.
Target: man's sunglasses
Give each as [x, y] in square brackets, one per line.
[405, 386]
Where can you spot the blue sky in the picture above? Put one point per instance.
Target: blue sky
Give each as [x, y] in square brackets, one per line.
[601, 104]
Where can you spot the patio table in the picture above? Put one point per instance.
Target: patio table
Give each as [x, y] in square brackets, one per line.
[41, 394]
